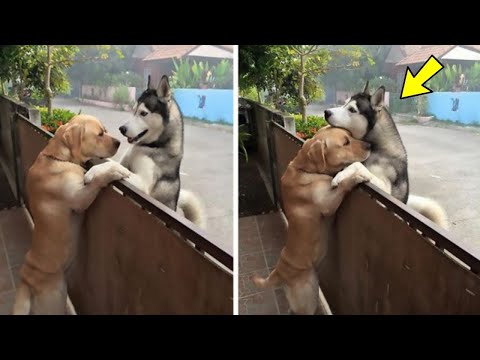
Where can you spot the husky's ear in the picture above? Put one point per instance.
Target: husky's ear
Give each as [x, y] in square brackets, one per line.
[148, 83]
[163, 90]
[378, 99]
[365, 89]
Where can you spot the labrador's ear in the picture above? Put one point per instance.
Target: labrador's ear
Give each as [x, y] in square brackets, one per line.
[316, 154]
[72, 138]
[163, 90]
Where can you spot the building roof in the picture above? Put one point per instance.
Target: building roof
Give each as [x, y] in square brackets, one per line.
[177, 51]
[169, 51]
[398, 52]
[422, 54]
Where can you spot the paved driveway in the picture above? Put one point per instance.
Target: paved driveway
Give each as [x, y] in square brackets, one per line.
[444, 163]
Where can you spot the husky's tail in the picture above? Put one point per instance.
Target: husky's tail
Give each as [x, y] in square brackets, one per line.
[430, 209]
[192, 208]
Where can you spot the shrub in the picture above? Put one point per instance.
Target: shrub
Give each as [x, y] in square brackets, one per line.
[250, 93]
[200, 74]
[307, 129]
[58, 118]
[223, 75]
[121, 96]
[289, 104]
[422, 105]
[404, 106]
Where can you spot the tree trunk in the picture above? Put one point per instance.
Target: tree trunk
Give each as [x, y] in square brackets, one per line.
[258, 95]
[48, 90]
[301, 96]
[20, 89]
[276, 93]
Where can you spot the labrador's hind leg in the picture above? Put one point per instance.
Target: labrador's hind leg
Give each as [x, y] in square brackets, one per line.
[303, 296]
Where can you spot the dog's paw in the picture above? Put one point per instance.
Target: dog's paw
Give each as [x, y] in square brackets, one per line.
[91, 175]
[258, 281]
[353, 174]
[335, 182]
[117, 172]
[341, 176]
[106, 173]
[361, 178]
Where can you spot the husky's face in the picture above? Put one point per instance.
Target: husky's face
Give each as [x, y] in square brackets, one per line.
[359, 113]
[151, 115]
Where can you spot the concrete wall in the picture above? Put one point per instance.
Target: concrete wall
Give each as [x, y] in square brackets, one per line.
[441, 105]
[104, 93]
[212, 105]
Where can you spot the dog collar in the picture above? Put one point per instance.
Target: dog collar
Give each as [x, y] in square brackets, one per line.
[57, 159]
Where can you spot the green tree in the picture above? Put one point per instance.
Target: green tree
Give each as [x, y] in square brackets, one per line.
[42, 68]
[116, 60]
[371, 63]
[292, 70]
[313, 62]
[265, 67]
[16, 63]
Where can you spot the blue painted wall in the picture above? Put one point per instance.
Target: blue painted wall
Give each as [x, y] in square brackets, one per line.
[212, 105]
[441, 104]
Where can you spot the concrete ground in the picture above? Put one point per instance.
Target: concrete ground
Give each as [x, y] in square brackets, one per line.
[444, 164]
[207, 167]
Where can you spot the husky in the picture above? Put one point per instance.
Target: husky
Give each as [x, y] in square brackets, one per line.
[365, 116]
[155, 133]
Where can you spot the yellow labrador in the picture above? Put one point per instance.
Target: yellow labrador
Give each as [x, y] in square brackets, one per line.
[310, 203]
[58, 196]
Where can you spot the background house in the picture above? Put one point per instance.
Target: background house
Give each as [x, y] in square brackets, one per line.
[416, 56]
[157, 60]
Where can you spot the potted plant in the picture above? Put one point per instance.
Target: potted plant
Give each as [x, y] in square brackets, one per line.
[422, 110]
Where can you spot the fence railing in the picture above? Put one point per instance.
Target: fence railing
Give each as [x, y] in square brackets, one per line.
[8, 108]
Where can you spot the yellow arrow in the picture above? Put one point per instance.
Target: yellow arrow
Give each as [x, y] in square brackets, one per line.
[413, 85]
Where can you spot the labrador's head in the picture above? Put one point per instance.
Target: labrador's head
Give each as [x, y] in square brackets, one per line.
[332, 149]
[86, 138]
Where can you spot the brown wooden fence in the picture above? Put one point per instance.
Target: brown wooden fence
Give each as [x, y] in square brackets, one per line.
[136, 255]
[386, 258]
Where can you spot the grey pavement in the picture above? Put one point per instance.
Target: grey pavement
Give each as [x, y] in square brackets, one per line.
[444, 164]
[207, 166]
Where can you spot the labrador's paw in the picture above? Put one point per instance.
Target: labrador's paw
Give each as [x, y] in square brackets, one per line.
[353, 174]
[118, 173]
[106, 173]
[91, 174]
